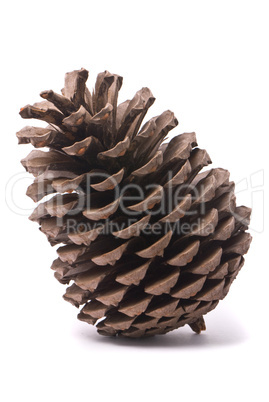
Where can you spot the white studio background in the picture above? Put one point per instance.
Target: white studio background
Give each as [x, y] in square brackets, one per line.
[207, 61]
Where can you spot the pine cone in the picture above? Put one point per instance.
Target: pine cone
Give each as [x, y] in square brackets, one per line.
[150, 244]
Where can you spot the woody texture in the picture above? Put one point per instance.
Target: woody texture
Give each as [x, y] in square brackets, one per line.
[148, 240]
